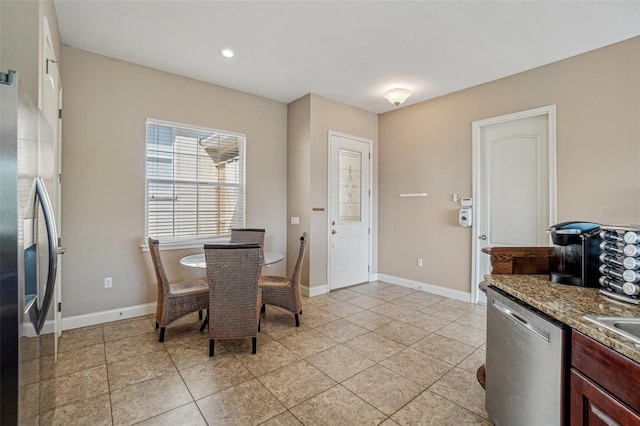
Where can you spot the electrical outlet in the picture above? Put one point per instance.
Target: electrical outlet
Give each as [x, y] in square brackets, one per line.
[108, 282]
[419, 263]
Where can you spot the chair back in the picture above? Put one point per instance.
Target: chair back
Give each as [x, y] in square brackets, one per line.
[297, 272]
[232, 271]
[161, 276]
[248, 236]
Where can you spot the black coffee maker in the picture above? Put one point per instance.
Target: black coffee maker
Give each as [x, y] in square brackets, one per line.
[577, 247]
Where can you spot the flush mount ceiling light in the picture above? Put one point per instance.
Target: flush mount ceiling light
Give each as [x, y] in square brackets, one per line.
[397, 96]
[227, 53]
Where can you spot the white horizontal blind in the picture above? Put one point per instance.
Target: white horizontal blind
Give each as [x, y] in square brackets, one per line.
[195, 182]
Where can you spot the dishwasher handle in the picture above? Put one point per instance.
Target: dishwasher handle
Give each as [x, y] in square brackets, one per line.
[538, 331]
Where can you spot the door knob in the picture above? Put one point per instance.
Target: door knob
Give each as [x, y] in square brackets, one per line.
[333, 231]
[482, 237]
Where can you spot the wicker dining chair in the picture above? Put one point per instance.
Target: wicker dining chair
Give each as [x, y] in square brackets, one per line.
[285, 291]
[248, 236]
[175, 299]
[234, 296]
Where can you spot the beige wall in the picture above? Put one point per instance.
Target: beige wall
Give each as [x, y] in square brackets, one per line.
[427, 148]
[329, 115]
[106, 103]
[298, 179]
[423, 148]
[322, 115]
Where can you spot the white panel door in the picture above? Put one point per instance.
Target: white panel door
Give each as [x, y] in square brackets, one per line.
[514, 184]
[349, 210]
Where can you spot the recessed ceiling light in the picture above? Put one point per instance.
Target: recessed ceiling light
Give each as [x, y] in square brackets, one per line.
[227, 53]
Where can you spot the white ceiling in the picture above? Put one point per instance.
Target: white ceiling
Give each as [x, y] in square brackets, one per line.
[349, 51]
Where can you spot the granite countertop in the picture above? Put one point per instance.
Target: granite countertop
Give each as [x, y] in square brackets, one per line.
[568, 304]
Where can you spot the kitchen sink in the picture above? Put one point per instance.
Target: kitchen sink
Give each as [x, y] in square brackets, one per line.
[628, 327]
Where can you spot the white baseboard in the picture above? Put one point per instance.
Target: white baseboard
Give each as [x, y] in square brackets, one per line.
[101, 317]
[429, 288]
[316, 290]
[94, 318]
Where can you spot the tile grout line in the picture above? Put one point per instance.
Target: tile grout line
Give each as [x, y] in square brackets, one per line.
[106, 368]
[454, 402]
[335, 344]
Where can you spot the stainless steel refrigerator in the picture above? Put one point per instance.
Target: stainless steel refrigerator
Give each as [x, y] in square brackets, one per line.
[28, 251]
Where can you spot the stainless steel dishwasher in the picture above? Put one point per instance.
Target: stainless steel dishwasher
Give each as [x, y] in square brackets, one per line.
[526, 374]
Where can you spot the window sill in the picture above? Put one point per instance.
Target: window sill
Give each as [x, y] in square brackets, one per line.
[188, 244]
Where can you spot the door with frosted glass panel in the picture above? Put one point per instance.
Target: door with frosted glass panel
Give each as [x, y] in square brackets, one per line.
[349, 210]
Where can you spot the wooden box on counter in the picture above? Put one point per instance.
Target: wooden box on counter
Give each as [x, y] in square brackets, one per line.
[521, 260]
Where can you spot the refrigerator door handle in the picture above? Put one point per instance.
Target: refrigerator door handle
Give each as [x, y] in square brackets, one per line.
[39, 315]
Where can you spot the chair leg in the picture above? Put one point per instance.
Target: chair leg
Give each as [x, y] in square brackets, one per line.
[157, 325]
[200, 314]
[259, 325]
[297, 320]
[253, 345]
[205, 323]
[263, 309]
[161, 335]
[211, 345]
[300, 311]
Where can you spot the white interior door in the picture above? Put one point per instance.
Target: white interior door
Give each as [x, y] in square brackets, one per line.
[514, 184]
[349, 210]
[50, 105]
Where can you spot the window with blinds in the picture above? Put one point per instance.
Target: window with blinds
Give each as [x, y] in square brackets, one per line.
[195, 182]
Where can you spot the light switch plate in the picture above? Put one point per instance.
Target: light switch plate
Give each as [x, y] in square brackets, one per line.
[295, 220]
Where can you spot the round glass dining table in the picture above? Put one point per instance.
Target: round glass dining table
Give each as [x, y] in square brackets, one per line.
[197, 260]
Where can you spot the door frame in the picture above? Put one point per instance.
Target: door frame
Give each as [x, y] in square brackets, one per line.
[50, 59]
[550, 112]
[370, 218]
[58, 213]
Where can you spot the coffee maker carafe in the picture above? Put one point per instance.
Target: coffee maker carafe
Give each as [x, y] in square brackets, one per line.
[577, 247]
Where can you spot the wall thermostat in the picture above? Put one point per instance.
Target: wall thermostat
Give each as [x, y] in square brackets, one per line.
[466, 202]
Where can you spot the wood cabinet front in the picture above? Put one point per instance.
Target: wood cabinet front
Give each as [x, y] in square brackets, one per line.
[604, 385]
[591, 405]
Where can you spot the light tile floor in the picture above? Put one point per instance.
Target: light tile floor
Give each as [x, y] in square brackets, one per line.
[369, 354]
